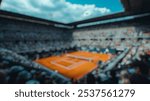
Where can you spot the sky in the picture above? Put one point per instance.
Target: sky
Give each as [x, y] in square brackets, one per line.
[65, 11]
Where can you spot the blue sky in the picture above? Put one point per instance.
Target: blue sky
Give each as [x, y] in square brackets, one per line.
[114, 5]
[63, 10]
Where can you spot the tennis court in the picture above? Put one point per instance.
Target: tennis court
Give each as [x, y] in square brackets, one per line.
[74, 65]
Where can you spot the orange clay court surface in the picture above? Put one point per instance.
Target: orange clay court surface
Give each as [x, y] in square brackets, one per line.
[74, 65]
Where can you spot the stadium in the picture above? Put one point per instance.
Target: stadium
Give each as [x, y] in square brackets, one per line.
[109, 49]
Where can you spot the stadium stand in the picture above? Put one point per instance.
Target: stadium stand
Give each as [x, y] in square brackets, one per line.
[18, 69]
[24, 40]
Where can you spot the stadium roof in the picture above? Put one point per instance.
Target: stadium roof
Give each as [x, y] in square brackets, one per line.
[132, 7]
[106, 17]
[65, 11]
[136, 5]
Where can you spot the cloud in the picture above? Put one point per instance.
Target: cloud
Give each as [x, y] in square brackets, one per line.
[57, 10]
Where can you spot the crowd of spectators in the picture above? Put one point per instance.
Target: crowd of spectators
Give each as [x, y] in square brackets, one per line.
[15, 69]
[34, 41]
[22, 36]
[134, 68]
[114, 36]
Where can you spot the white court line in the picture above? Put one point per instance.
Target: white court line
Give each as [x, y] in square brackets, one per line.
[79, 57]
[69, 67]
[58, 64]
[65, 59]
[75, 65]
[59, 60]
[68, 61]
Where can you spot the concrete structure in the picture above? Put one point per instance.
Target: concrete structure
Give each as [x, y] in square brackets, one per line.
[0, 2]
[136, 5]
